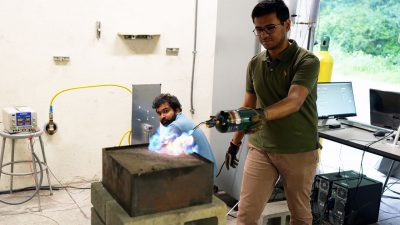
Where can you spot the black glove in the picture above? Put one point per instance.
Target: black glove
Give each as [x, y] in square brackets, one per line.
[230, 156]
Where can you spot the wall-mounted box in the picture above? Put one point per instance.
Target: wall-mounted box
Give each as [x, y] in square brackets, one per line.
[172, 51]
[61, 59]
[132, 36]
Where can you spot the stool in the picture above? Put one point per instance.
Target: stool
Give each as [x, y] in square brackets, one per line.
[35, 159]
[273, 210]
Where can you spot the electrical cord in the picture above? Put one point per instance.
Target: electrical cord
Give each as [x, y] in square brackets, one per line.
[371, 142]
[198, 125]
[46, 217]
[123, 137]
[46, 188]
[393, 213]
[395, 182]
[222, 166]
[87, 86]
[220, 169]
[392, 197]
[391, 184]
[365, 148]
[388, 219]
[36, 160]
[51, 127]
[69, 194]
[360, 176]
[396, 192]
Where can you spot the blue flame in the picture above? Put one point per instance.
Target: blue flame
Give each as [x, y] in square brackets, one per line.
[171, 141]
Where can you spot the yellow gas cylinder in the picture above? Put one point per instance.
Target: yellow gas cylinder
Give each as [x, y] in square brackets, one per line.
[325, 61]
[325, 67]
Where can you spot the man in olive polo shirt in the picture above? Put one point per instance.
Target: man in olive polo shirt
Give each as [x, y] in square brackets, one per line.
[282, 81]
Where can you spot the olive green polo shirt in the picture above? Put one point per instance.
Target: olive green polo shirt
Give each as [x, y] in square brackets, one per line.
[270, 81]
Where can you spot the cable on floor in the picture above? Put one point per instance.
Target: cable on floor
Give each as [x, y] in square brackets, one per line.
[66, 190]
[36, 160]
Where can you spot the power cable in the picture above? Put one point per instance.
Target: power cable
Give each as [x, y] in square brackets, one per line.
[123, 137]
[388, 219]
[37, 186]
[66, 190]
[220, 169]
[51, 127]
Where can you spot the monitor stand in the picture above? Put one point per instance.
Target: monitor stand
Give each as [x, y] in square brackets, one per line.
[396, 138]
[328, 122]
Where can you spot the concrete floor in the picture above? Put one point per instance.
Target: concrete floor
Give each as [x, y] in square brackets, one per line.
[56, 209]
[61, 209]
[74, 207]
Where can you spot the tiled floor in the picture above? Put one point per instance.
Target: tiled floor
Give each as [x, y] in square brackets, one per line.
[57, 209]
[61, 209]
[73, 207]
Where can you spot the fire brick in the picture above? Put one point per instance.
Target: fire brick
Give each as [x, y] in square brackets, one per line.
[145, 182]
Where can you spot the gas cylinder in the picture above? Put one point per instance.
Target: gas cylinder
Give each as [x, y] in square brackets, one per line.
[243, 119]
[325, 61]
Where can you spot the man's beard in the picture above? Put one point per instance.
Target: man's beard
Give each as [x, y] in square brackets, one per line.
[165, 122]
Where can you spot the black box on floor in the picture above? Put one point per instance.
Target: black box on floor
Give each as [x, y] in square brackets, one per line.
[357, 201]
[322, 190]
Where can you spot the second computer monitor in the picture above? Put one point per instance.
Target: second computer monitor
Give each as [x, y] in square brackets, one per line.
[385, 108]
[335, 100]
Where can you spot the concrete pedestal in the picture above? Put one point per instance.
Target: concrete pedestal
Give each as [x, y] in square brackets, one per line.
[108, 212]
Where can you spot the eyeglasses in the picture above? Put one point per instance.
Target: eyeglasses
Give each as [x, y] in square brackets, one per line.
[269, 29]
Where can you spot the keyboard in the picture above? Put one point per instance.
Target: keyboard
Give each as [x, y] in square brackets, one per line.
[363, 126]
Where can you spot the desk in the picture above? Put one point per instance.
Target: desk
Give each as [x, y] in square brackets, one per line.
[362, 139]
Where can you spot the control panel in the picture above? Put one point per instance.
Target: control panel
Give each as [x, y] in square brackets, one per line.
[19, 119]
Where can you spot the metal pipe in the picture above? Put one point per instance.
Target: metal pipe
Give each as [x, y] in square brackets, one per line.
[194, 58]
[314, 10]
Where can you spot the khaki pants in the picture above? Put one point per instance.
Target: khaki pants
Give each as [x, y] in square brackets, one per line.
[261, 171]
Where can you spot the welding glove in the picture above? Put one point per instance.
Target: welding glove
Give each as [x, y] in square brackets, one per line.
[230, 157]
[258, 121]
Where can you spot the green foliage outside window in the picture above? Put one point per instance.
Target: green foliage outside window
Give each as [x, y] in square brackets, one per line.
[365, 35]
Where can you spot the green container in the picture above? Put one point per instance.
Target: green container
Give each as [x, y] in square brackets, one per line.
[243, 119]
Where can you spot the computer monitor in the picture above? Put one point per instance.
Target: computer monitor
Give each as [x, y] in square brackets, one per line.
[335, 100]
[384, 108]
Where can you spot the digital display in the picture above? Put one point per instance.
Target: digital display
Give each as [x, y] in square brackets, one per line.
[335, 100]
[23, 119]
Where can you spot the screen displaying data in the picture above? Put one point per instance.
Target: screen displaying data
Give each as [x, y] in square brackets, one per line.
[335, 100]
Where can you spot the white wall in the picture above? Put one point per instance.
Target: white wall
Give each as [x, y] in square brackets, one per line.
[235, 45]
[32, 32]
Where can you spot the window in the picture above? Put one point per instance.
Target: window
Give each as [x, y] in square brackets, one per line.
[365, 44]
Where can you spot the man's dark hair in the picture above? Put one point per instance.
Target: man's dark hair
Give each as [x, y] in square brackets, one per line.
[271, 6]
[171, 99]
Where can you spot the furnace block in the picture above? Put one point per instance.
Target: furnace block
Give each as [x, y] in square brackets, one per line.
[145, 182]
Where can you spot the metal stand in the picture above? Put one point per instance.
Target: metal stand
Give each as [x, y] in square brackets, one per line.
[388, 176]
[396, 139]
[35, 160]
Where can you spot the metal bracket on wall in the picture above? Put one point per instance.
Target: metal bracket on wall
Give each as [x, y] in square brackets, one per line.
[138, 36]
[172, 51]
[98, 29]
[61, 59]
